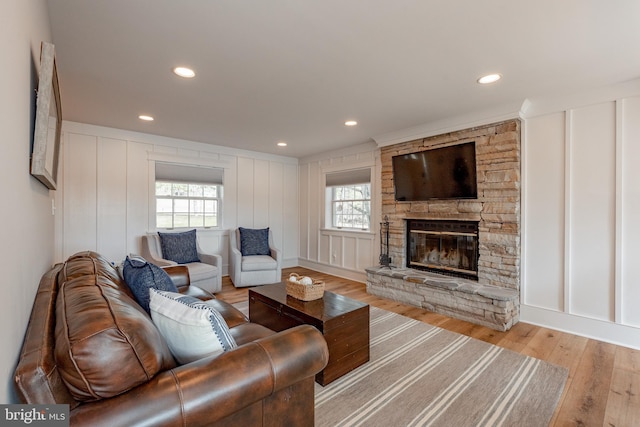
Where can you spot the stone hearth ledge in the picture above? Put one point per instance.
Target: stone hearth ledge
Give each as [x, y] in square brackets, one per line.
[487, 305]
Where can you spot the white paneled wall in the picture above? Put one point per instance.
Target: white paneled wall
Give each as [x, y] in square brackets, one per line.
[339, 252]
[629, 218]
[80, 194]
[544, 207]
[591, 204]
[580, 219]
[108, 200]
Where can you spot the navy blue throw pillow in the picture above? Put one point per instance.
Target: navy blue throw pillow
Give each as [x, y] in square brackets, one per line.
[254, 242]
[179, 247]
[141, 275]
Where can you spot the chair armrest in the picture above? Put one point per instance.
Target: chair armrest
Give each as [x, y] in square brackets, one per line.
[211, 259]
[236, 252]
[161, 262]
[276, 254]
[210, 389]
[235, 263]
[151, 252]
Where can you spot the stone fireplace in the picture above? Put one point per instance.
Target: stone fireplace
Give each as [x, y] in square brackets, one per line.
[420, 274]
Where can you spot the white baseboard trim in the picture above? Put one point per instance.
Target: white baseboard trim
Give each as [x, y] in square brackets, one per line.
[357, 276]
[614, 333]
[290, 262]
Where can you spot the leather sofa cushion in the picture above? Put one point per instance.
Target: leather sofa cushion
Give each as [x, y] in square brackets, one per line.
[105, 343]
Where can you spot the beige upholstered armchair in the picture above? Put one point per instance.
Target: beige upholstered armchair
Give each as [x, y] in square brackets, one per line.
[205, 273]
[257, 261]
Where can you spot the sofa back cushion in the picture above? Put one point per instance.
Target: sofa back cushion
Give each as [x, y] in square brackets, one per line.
[105, 344]
[89, 263]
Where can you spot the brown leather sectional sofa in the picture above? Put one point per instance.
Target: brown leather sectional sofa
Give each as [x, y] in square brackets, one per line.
[100, 353]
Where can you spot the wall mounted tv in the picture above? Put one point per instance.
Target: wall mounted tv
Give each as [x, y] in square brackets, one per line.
[440, 173]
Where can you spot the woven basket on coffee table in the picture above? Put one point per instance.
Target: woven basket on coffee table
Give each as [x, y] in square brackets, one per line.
[304, 292]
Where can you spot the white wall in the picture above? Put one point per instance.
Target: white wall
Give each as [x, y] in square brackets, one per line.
[107, 201]
[339, 252]
[28, 231]
[581, 198]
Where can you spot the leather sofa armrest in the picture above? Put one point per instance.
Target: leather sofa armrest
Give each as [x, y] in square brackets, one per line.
[210, 389]
[179, 274]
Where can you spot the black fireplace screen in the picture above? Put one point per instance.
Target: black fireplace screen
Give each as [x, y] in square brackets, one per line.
[446, 247]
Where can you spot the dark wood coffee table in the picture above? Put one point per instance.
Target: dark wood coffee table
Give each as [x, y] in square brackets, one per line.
[343, 321]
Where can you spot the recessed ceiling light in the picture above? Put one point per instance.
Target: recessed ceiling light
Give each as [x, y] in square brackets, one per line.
[489, 78]
[185, 72]
[145, 118]
[350, 123]
[281, 144]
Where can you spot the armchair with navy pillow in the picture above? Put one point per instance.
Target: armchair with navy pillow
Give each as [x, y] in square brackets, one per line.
[172, 248]
[253, 258]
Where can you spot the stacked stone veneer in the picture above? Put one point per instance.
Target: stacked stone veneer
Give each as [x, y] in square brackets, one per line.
[497, 210]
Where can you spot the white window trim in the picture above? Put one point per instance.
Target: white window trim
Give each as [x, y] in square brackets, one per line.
[326, 217]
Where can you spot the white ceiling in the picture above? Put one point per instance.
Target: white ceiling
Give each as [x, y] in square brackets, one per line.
[295, 70]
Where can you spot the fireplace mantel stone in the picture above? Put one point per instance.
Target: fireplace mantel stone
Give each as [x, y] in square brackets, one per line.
[489, 305]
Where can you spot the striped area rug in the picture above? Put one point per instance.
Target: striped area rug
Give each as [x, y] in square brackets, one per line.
[421, 375]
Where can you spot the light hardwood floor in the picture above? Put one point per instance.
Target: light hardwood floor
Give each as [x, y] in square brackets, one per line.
[603, 388]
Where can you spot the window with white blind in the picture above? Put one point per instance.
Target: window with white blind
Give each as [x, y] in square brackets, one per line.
[348, 197]
[188, 196]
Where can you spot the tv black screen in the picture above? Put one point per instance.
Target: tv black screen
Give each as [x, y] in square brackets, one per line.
[441, 173]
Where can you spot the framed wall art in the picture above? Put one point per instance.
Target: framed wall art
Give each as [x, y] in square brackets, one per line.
[48, 123]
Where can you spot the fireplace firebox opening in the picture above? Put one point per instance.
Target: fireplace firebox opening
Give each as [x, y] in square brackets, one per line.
[445, 247]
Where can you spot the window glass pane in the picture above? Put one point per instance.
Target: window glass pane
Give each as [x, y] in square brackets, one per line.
[366, 191]
[164, 205]
[164, 220]
[181, 220]
[196, 220]
[196, 206]
[181, 205]
[195, 190]
[337, 193]
[210, 190]
[180, 190]
[210, 221]
[163, 188]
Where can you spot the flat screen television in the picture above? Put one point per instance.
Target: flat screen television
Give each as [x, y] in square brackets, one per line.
[440, 173]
